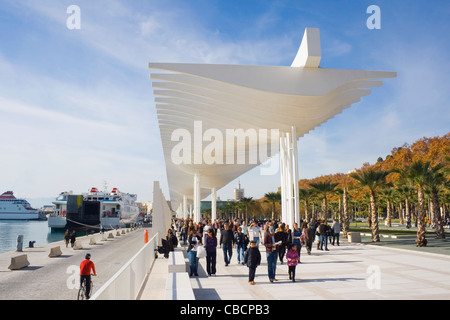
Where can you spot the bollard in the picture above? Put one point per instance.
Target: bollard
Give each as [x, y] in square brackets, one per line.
[145, 236]
[19, 242]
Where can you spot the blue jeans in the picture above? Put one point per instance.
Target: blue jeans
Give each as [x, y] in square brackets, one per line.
[323, 240]
[227, 252]
[193, 262]
[240, 253]
[272, 263]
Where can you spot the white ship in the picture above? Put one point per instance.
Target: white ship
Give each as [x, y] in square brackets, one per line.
[95, 209]
[12, 208]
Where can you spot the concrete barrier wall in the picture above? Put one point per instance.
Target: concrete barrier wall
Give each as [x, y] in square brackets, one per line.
[19, 262]
[127, 282]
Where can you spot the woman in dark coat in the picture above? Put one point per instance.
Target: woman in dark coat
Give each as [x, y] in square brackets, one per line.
[211, 252]
[67, 237]
[171, 243]
[281, 235]
[73, 238]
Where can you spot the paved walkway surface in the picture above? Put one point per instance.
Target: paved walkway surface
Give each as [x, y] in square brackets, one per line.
[348, 271]
[54, 278]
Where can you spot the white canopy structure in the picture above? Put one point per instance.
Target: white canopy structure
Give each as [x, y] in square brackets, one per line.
[214, 119]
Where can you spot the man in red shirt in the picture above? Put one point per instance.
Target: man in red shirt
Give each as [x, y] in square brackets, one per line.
[85, 273]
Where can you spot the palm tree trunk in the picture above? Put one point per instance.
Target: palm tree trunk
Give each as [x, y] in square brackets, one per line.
[375, 230]
[324, 209]
[421, 241]
[437, 216]
[408, 213]
[389, 214]
[400, 213]
[273, 210]
[307, 218]
[346, 223]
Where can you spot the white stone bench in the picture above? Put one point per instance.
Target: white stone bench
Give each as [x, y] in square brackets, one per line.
[178, 287]
[354, 237]
[176, 262]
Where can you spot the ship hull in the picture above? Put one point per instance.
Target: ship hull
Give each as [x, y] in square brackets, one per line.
[57, 223]
[19, 216]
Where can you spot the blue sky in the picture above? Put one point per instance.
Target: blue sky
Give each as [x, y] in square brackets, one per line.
[76, 106]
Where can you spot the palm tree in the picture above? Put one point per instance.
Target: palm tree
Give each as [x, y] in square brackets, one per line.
[340, 193]
[372, 180]
[437, 178]
[388, 195]
[324, 188]
[418, 175]
[306, 195]
[406, 192]
[273, 197]
[245, 202]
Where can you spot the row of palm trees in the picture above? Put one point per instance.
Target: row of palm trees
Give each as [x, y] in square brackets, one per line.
[418, 177]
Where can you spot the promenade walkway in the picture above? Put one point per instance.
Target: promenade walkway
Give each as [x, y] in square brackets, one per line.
[350, 271]
[53, 278]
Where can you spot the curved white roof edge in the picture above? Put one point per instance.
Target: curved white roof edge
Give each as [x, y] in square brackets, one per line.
[252, 98]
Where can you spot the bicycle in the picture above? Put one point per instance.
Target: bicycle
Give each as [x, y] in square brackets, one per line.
[82, 290]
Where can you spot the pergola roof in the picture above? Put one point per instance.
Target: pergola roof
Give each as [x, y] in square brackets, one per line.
[248, 97]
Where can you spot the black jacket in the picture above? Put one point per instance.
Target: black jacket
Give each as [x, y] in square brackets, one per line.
[227, 237]
[240, 239]
[252, 257]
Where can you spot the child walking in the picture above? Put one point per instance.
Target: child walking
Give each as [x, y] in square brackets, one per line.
[292, 260]
[252, 259]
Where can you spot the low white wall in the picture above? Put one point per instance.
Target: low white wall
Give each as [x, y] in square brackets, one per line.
[127, 282]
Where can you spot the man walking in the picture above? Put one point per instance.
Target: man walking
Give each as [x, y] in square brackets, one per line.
[271, 253]
[336, 229]
[323, 236]
[227, 242]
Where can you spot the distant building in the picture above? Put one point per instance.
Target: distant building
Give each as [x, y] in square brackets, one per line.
[238, 192]
[145, 207]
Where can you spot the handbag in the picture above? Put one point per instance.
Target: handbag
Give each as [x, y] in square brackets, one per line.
[201, 252]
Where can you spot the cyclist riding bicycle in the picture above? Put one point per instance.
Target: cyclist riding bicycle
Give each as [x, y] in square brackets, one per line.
[85, 273]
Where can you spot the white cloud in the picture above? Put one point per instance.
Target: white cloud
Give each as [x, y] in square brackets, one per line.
[106, 128]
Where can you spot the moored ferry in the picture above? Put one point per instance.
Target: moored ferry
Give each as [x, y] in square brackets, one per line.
[95, 209]
[12, 208]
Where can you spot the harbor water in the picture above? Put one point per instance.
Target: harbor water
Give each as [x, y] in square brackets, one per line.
[31, 230]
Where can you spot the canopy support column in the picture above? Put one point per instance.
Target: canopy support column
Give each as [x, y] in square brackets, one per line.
[213, 205]
[196, 197]
[290, 211]
[185, 209]
[295, 176]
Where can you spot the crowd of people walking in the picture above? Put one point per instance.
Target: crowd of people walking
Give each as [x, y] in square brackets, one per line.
[235, 237]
